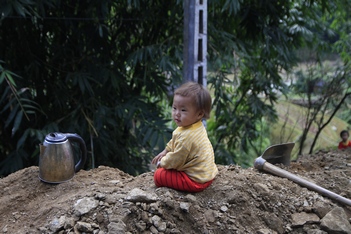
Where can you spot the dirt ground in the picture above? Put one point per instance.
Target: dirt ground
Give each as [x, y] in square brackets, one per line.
[107, 200]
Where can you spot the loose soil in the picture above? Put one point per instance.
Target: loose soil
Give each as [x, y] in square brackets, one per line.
[239, 201]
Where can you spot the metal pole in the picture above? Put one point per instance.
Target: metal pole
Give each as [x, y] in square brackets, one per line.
[195, 41]
[262, 164]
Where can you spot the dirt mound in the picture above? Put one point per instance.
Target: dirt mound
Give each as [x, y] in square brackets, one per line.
[107, 200]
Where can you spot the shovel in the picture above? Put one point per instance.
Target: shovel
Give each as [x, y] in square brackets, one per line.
[281, 154]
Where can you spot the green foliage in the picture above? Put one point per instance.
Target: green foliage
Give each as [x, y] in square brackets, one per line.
[341, 24]
[255, 144]
[255, 47]
[16, 104]
[323, 90]
[105, 69]
[89, 71]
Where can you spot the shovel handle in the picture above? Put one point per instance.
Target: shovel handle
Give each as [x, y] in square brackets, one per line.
[266, 166]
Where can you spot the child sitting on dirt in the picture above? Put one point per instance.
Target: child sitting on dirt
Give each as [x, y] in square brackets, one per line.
[345, 143]
[187, 163]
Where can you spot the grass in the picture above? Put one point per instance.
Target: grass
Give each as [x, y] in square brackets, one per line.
[290, 124]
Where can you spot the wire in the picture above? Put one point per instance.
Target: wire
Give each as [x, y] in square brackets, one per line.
[81, 19]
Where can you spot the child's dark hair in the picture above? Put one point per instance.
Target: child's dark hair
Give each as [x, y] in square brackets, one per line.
[200, 94]
[344, 131]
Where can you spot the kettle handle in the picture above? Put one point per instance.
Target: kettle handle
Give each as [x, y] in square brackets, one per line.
[76, 138]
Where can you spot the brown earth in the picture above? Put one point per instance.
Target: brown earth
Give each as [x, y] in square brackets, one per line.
[239, 201]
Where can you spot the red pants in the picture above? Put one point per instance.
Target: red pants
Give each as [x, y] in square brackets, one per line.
[178, 180]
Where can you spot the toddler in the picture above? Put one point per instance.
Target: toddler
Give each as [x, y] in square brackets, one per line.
[187, 163]
[345, 143]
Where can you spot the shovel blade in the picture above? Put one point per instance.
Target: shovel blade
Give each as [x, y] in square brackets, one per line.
[280, 153]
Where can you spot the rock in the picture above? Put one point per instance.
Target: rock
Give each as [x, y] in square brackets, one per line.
[141, 226]
[265, 231]
[224, 208]
[114, 181]
[320, 209]
[113, 198]
[138, 195]
[158, 223]
[4, 230]
[316, 231]
[69, 223]
[190, 198]
[57, 224]
[336, 222]
[162, 227]
[114, 218]
[210, 216]
[169, 194]
[145, 217]
[274, 223]
[83, 227]
[153, 229]
[100, 218]
[94, 226]
[114, 227]
[156, 220]
[154, 209]
[175, 231]
[305, 203]
[84, 205]
[169, 203]
[299, 219]
[184, 206]
[100, 196]
[41, 230]
[261, 189]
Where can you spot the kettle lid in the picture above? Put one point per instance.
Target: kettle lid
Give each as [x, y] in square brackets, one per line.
[56, 137]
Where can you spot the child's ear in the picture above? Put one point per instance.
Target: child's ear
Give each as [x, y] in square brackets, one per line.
[201, 114]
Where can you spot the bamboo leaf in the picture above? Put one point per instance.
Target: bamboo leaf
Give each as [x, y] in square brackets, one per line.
[22, 139]
[8, 76]
[17, 122]
[2, 77]
[11, 116]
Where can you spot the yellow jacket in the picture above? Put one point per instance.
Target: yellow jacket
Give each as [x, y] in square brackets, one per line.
[191, 151]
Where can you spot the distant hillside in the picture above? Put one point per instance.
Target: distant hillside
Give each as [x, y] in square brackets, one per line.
[290, 124]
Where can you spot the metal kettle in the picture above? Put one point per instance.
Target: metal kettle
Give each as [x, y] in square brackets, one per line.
[56, 160]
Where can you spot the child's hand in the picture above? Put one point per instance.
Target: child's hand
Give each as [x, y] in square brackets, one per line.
[159, 157]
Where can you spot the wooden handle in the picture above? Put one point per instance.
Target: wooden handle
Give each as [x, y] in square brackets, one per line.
[305, 183]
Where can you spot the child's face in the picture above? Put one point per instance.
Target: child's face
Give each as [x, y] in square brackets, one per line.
[345, 136]
[184, 112]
